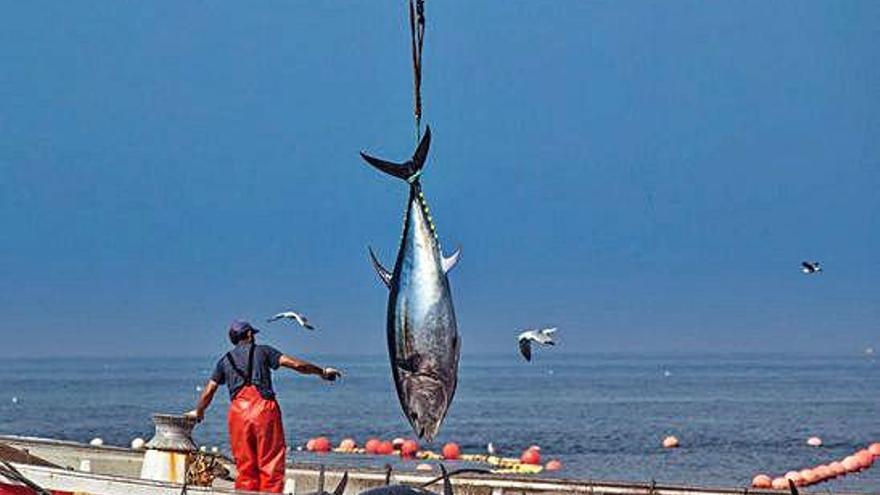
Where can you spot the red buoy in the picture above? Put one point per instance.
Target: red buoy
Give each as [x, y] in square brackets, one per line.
[451, 451]
[865, 458]
[409, 448]
[824, 471]
[762, 481]
[530, 456]
[322, 445]
[372, 446]
[554, 465]
[794, 476]
[851, 464]
[808, 476]
[385, 448]
[837, 468]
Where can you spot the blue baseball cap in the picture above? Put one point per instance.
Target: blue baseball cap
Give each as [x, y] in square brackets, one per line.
[239, 328]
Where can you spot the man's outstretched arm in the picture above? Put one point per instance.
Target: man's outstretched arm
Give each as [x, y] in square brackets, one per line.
[307, 368]
[204, 400]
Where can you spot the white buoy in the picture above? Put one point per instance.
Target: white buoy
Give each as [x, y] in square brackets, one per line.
[15, 400]
[667, 373]
[97, 442]
[198, 388]
[814, 442]
[203, 448]
[670, 442]
[214, 450]
[138, 443]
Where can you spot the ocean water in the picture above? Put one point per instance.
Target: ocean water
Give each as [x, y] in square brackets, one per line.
[603, 416]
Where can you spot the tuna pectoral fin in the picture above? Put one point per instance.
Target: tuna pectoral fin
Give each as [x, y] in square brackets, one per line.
[451, 261]
[384, 274]
[411, 169]
[410, 364]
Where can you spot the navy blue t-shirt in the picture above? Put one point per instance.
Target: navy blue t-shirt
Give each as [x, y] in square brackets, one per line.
[266, 359]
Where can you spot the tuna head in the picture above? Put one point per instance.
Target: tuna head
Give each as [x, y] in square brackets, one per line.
[425, 399]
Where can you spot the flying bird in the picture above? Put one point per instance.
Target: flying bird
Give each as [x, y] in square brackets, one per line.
[543, 337]
[291, 315]
[810, 267]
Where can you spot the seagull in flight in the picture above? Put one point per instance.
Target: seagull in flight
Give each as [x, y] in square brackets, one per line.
[292, 315]
[543, 337]
[810, 267]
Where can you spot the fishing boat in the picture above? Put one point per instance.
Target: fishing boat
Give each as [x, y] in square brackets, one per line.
[62, 467]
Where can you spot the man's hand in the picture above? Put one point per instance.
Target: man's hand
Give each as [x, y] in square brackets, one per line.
[330, 374]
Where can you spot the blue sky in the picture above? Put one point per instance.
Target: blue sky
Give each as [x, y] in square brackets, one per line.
[645, 175]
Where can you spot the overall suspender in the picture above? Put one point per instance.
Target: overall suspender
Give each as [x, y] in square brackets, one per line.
[247, 377]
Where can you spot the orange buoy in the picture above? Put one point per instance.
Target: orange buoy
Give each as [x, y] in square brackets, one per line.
[372, 446]
[554, 465]
[762, 481]
[670, 442]
[851, 463]
[837, 468]
[347, 445]
[794, 476]
[385, 448]
[530, 456]
[322, 445]
[409, 448]
[824, 471]
[865, 458]
[779, 484]
[808, 476]
[874, 449]
[451, 451]
[814, 442]
[310, 445]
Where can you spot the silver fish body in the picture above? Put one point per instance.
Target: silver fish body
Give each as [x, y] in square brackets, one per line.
[423, 341]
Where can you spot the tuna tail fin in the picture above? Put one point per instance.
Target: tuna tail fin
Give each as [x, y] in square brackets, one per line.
[411, 169]
[340, 488]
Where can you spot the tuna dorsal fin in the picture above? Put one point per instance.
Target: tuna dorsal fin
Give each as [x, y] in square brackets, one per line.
[447, 485]
[387, 474]
[451, 261]
[340, 488]
[384, 274]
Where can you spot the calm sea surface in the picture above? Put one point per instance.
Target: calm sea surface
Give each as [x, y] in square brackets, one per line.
[603, 416]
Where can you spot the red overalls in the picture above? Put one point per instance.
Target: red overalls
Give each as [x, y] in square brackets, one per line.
[256, 436]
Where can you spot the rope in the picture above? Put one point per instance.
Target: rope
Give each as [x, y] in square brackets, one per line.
[417, 40]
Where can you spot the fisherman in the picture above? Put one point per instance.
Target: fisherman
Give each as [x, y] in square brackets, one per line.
[256, 433]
